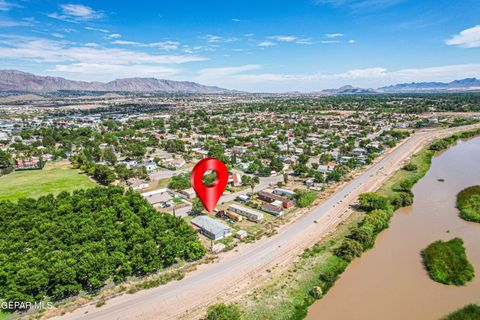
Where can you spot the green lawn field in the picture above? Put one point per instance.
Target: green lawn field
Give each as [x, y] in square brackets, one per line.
[54, 178]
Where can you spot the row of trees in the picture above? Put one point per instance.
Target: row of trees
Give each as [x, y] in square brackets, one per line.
[55, 247]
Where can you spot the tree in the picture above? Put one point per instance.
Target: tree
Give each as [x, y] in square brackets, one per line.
[349, 249]
[223, 312]
[371, 201]
[103, 174]
[109, 156]
[197, 206]
[180, 182]
[304, 198]
[6, 162]
[364, 236]
[276, 164]
[99, 234]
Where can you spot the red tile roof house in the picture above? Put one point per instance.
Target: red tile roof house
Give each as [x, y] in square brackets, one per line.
[270, 197]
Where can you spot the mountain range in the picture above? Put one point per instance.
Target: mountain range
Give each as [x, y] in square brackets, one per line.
[14, 80]
[464, 85]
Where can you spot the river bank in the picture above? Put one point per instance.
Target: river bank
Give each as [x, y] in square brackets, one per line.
[390, 281]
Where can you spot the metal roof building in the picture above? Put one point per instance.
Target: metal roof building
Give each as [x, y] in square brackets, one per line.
[211, 228]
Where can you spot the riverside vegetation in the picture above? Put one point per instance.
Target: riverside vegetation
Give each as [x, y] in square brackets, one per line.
[469, 312]
[329, 258]
[468, 202]
[446, 262]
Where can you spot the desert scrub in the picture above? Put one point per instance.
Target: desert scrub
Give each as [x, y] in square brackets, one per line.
[446, 262]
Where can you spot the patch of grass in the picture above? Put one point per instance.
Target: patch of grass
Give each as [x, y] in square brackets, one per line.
[468, 202]
[163, 183]
[54, 178]
[421, 160]
[446, 262]
[469, 312]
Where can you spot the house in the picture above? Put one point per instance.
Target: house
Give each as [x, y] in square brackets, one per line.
[270, 197]
[241, 234]
[150, 166]
[187, 193]
[246, 212]
[211, 228]
[283, 192]
[235, 180]
[272, 209]
[326, 168]
[178, 163]
[137, 184]
[28, 164]
[161, 198]
[359, 152]
[243, 198]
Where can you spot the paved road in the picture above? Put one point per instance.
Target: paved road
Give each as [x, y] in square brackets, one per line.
[164, 173]
[241, 269]
[264, 184]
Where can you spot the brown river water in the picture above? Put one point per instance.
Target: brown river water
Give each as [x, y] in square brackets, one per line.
[389, 281]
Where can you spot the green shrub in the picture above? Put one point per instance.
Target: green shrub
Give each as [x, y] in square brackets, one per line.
[377, 220]
[410, 167]
[223, 311]
[468, 202]
[349, 250]
[364, 236]
[469, 312]
[305, 198]
[446, 262]
[371, 201]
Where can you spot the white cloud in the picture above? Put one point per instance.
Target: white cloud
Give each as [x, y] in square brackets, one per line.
[236, 20]
[25, 22]
[162, 45]
[58, 35]
[366, 77]
[351, 41]
[80, 11]
[468, 38]
[114, 36]
[329, 41]
[7, 6]
[76, 13]
[218, 39]
[83, 59]
[267, 44]
[333, 35]
[284, 38]
[107, 72]
[359, 4]
[225, 71]
[97, 29]
[126, 43]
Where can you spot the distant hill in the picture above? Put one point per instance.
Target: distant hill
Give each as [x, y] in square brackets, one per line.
[348, 90]
[468, 84]
[464, 85]
[14, 80]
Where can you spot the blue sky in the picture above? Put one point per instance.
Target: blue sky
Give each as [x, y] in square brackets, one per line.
[247, 45]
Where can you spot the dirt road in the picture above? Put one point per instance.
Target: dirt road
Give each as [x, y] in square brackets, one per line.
[237, 272]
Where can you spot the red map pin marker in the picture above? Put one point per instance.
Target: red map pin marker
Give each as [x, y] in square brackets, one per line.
[209, 195]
